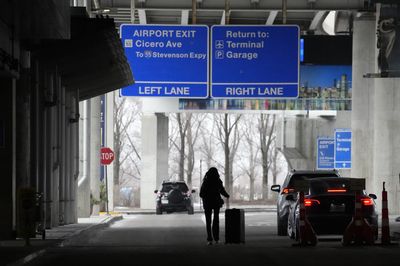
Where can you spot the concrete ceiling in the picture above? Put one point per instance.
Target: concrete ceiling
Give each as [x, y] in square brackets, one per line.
[308, 14]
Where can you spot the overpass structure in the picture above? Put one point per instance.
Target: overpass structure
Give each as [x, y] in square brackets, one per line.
[57, 57]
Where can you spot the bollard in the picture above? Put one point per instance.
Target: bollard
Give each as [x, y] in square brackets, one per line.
[359, 231]
[307, 235]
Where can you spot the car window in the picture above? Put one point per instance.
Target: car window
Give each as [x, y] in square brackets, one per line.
[166, 187]
[308, 176]
[169, 186]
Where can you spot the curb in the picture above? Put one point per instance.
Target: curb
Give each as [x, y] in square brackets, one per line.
[199, 211]
[105, 223]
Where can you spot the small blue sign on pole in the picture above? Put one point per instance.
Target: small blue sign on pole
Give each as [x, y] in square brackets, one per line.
[255, 61]
[325, 153]
[343, 148]
[167, 60]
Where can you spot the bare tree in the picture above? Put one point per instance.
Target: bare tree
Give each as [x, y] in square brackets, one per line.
[183, 124]
[266, 127]
[275, 166]
[125, 149]
[229, 138]
[249, 164]
[193, 130]
[208, 144]
[178, 141]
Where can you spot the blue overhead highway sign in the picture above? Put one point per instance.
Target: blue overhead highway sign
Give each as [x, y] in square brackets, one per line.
[167, 60]
[325, 153]
[255, 61]
[342, 148]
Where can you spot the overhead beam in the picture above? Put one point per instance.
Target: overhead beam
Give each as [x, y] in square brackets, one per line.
[317, 19]
[223, 18]
[227, 11]
[142, 16]
[258, 10]
[185, 17]
[271, 17]
[132, 11]
[265, 4]
[194, 12]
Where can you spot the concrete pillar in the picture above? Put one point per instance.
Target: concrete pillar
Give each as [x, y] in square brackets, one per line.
[55, 220]
[48, 147]
[23, 129]
[386, 138]
[109, 139]
[154, 157]
[35, 103]
[83, 195]
[95, 143]
[7, 158]
[300, 138]
[362, 115]
[74, 124]
[62, 182]
[68, 162]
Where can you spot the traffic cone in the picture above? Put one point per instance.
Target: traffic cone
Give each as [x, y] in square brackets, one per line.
[385, 218]
[358, 231]
[307, 235]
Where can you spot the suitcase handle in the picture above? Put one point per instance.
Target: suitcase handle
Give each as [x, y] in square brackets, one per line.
[227, 203]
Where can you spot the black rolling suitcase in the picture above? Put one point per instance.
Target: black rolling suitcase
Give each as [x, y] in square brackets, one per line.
[234, 226]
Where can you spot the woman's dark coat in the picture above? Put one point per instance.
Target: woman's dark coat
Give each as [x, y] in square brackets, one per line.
[211, 191]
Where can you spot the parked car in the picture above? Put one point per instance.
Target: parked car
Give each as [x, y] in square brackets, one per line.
[330, 206]
[287, 189]
[174, 196]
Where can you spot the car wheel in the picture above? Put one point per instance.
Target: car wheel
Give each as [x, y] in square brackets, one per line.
[158, 211]
[282, 225]
[190, 210]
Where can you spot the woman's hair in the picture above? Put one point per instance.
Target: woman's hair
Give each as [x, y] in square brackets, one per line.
[212, 174]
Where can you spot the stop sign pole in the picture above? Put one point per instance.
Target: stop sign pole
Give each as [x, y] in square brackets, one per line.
[106, 158]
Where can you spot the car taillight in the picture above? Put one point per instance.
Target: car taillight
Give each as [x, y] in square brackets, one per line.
[367, 202]
[287, 190]
[337, 190]
[310, 202]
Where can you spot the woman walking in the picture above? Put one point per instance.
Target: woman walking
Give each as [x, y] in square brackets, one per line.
[211, 191]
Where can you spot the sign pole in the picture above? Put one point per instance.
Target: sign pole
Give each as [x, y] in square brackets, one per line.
[106, 157]
[106, 180]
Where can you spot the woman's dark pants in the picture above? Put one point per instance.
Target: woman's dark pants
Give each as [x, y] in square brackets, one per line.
[212, 232]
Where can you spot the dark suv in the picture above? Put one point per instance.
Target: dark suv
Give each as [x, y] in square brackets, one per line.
[174, 196]
[330, 206]
[283, 205]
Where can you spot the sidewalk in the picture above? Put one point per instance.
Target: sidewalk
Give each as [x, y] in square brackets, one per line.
[14, 252]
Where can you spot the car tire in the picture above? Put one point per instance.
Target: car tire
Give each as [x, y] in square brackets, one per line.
[282, 225]
[190, 210]
[158, 211]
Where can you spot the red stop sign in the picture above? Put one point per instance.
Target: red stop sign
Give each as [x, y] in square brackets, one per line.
[106, 156]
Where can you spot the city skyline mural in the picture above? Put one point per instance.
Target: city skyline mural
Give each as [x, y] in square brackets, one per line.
[322, 87]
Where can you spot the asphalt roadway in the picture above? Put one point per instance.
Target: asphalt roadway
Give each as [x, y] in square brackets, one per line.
[179, 239]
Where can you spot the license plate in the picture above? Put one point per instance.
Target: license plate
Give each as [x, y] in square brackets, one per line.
[338, 207]
[164, 201]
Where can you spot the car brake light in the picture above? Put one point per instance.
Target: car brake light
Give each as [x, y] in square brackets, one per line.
[310, 202]
[337, 190]
[367, 202]
[287, 190]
